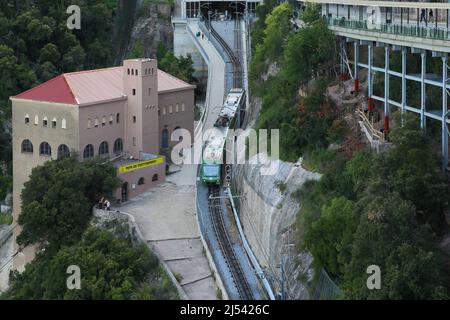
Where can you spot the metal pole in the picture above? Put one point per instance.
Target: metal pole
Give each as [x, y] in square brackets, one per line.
[403, 79]
[386, 88]
[444, 112]
[370, 55]
[356, 61]
[422, 90]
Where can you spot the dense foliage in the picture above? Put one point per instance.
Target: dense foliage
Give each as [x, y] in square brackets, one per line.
[57, 206]
[380, 209]
[110, 267]
[284, 60]
[57, 199]
[180, 67]
[36, 45]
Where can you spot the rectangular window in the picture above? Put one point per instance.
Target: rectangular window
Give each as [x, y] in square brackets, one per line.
[183, 107]
[134, 119]
[149, 91]
[177, 108]
[134, 141]
[54, 124]
[171, 109]
[27, 120]
[45, 123]
[134, 92]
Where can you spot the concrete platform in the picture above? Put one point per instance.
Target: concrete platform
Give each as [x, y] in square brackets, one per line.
[166, 217]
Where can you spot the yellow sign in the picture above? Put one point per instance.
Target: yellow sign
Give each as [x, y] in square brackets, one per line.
[140, 165]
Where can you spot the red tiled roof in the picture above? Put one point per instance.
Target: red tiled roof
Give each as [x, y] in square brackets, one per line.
[94, 86]
[54, 90]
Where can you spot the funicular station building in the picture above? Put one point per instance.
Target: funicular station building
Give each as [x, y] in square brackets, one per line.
[125, 115]
[383, 30]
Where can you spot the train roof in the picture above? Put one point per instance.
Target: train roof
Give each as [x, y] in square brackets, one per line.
[213, 151]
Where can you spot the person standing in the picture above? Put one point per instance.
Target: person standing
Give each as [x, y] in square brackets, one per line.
[423, 16]
[431, 16]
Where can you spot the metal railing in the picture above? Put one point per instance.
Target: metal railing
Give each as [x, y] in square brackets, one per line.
[409, 31]
[370, 127]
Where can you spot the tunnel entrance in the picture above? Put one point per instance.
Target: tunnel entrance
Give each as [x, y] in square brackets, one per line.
[220, 10]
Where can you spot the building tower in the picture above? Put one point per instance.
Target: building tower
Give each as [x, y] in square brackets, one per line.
[141, 123]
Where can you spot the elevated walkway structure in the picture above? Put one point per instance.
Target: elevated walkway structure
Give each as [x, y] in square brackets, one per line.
[421, 28]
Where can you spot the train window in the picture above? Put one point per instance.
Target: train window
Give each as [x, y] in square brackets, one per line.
[211, 171]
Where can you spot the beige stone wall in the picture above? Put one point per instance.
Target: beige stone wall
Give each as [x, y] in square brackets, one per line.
[170, 120]
[109, 132]
[132, 178]
[23, 163]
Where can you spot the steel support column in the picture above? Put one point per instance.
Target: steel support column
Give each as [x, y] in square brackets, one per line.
[422, 89]
[369, 75]
[403, 80]
[386, 88]
[356, 67]
[444, 112]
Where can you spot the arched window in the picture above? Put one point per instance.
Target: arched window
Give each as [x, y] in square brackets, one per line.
[177, 108]
[118, 118]
[27, 119]
[54, 123]
[165, 139]
[63, 151]
[96, 122]
[45, 122]
[27, 146]
[155, 178]
[45, 149]
[103, 121]
[89, 125]
[104, 148]
[36, 120]
[183, 107]
[118, 146]
[111, 119]
[64, 123]
[141, 182]
[88, 151]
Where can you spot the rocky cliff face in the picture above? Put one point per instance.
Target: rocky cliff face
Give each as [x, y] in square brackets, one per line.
[268, 212]
[153, 25]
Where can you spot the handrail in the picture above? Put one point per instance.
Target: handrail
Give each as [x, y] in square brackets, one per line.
[369, 126]
[409, 31]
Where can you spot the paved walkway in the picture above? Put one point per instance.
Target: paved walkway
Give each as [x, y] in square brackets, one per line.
[166, 217]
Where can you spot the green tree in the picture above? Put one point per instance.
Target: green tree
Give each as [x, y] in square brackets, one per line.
[411, 168]
[390, 237]
[330, 237]
[111, 268]
[58, 198]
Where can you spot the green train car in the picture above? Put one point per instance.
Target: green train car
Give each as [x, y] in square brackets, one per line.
[213, 157]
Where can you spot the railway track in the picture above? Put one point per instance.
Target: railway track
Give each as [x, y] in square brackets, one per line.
[234, 59]
[215, 209]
